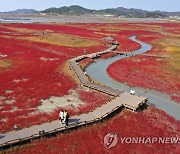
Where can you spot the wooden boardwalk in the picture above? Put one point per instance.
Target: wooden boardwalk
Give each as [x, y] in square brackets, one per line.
[103, 88]
[129, 101]
[25, 134]
[141, 54]
[79, 72]
[121, 99]
[13, 137]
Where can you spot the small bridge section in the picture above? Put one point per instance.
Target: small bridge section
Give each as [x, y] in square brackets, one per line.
[103, 88]
[132, 102]
[142, 54]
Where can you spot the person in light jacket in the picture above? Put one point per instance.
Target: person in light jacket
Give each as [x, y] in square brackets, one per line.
[61, 117]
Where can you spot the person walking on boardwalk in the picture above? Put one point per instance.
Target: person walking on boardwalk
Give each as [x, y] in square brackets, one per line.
[66, 117]
[61, 116]
[84, 51]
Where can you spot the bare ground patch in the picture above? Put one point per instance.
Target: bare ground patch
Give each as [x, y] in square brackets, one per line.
[4, 64]
[53, 103]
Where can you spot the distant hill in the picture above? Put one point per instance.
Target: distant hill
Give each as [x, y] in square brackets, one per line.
[131, 12]
[23, 11]
[169, 13]
[71, 10]
[120, 11]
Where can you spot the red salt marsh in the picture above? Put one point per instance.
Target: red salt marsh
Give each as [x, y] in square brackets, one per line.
[35, 70]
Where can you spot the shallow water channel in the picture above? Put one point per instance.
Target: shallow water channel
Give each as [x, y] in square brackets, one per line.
[97, 71]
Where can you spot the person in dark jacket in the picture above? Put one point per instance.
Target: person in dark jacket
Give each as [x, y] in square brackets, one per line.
[66, 117]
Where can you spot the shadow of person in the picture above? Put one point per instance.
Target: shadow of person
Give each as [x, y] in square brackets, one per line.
[143, 107]
[2, 136]
[73, 120]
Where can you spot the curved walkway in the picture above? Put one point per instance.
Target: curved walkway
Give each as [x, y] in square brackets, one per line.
[122, 99]
[129, 101]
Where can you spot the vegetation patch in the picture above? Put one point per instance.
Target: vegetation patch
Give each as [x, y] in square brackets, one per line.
[4, 64]
[63, 40]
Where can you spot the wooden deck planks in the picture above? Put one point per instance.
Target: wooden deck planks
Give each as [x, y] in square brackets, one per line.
[103, 88]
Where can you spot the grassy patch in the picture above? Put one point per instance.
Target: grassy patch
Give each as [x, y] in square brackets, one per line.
[60, 39]
[63, 40]
[65, 69]
[170, 42]
[172, 48]
[105, 28]
[4, 64]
